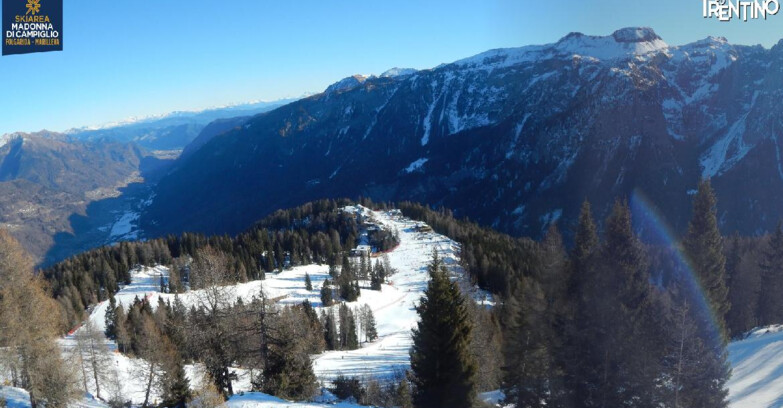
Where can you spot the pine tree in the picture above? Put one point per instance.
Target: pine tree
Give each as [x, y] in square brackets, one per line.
[535, 315]
[308, 283]
[110, 319]
[348, 338]
[326, 294]
[163, 286]
[527, 353]
[613, 321]
[288, 372]
[704, 247]
[585, 245]
[693, 360]
[375, 277]
[177, 386]
[744, 291]
[370, 331]
[380, 270]
[771, 296]
[347, 283]
[443, 367]
[122, 336]
[582, 261]
[331, 338]
[353, 338]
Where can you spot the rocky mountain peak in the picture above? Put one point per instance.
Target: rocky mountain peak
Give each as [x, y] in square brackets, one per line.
[635, 35]
[347, 83]
[623, 43]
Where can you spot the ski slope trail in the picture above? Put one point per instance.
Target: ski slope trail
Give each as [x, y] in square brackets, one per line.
[394, 306]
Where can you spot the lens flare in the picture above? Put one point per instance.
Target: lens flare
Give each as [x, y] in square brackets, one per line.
[647, 216]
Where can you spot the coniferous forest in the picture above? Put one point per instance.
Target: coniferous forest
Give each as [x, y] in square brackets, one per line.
[603, 321]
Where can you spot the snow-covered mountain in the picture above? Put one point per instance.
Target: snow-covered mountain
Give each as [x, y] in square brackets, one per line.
[513, 138]
[171, 131]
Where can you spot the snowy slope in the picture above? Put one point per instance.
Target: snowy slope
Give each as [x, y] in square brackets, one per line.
[393, 307]
[757, 361]
[757, 369]
[19, 398]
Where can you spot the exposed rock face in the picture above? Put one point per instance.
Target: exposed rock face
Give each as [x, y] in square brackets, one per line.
[512, 138]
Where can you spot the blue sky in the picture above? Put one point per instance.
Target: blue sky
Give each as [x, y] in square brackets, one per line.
[125, 58]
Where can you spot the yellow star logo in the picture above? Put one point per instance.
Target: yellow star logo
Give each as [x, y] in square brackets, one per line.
[33, 6]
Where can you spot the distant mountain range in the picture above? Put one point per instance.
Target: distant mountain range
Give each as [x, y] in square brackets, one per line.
[49, 182]
[513, 138]
[171, 131]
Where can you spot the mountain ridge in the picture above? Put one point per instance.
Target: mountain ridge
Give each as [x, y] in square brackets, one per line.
[532, 130]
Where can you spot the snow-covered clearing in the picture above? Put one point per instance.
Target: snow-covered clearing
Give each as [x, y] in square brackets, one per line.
[19, 398]
[393, 307]
[757, 369]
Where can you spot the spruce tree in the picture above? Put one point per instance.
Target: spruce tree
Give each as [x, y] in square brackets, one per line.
[370, 331]
[443, 367]
[163, 288]
[744, 291]
[110, 318]
[288, 371]
[527, 353]
[536, 315]
[308, 283]
[177, 386]
[122, 335]
[704, 247]
[331, 337]
[624, 260]
[697, 367]
[326, 294]
[348, 337]
[771, 296]
[347, 283]
[585, 242]
[375, 279]
[582, 262]
[353, 338]
[612, 322]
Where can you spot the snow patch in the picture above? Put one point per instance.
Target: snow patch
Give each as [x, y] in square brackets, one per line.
[416, 165]
[728, 150]
[398, 72]
[551, 217]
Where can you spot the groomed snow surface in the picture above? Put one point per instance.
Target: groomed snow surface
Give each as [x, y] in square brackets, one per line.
[393, 307]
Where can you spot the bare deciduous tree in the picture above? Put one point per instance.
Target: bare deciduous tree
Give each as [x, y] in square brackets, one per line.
[94, 357]
[28, 330]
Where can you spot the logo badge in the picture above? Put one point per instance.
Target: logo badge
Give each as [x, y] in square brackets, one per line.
[32, 26]
[33, 6]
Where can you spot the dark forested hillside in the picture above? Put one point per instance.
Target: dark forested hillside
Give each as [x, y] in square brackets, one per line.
[45, 178]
